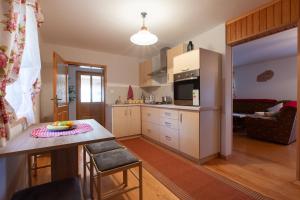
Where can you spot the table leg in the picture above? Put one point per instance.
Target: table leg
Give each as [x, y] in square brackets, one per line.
[64, 163]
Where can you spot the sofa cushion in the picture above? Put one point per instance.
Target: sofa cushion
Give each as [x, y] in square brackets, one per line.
[114, 159]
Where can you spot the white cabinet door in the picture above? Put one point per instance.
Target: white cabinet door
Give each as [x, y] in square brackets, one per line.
[169, 137]
[151, 130]
[187, 61]
[120, 121]
[134, 120]
[189, 133]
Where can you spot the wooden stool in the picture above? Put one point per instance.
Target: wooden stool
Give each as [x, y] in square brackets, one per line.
[110, 162]
[33, 166]
[94, 149]
[68, 189]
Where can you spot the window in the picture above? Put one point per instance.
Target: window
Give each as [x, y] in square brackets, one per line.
[18, 94]
[91, 88]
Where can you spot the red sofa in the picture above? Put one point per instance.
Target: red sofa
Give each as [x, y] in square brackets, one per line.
[279, 128]
[249, 106]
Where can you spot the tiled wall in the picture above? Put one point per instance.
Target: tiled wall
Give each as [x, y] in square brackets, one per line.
[158, 92]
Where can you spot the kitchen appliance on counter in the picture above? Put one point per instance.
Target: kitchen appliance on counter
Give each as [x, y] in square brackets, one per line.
[186, 88]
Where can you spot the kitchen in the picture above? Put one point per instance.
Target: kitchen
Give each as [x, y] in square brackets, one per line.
[188, 125]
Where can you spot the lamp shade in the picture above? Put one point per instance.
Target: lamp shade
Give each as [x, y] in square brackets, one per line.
[143, 37]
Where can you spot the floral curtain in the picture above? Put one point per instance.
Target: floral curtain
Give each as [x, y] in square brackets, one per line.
[12, 43]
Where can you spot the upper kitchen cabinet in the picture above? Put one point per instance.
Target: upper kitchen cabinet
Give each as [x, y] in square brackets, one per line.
[145, 69]
[187, 62]
[171, 53]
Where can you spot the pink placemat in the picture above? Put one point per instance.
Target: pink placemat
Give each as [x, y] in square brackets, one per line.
[45, 133]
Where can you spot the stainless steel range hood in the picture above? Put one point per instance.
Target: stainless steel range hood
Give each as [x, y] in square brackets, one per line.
[160, 63]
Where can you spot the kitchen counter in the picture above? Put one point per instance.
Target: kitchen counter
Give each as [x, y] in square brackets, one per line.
[167, 106]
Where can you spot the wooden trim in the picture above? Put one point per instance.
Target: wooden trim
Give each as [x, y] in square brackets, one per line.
[252, 11]
[298, 110]
[267, 19]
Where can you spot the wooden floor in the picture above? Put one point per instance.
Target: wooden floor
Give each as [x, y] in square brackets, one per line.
[264, 167]
[152, 188]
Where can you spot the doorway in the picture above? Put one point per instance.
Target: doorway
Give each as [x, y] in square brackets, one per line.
[78, 90]
[266, 167]
[90, 95]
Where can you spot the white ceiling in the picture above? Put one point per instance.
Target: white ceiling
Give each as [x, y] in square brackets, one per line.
[106, 25]
[276, 46]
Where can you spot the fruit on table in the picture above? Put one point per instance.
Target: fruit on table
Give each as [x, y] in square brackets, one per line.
[63, 123]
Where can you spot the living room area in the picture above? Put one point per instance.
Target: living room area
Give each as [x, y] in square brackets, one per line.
[264, 150]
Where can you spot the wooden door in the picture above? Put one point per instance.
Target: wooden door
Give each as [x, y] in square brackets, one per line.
[60, 89]
[120, 121]
[90, 96]
[134, 120]
[189, 133]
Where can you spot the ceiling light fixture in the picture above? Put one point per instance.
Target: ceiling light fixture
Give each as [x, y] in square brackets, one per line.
[143, 37]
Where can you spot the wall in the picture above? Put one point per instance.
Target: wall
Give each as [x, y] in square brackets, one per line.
[282, 86]
[121, 71]
[214, 39]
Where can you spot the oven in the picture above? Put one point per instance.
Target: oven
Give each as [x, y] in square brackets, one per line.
[186, 88]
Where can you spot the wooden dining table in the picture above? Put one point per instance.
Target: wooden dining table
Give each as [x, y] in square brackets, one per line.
[63, 149]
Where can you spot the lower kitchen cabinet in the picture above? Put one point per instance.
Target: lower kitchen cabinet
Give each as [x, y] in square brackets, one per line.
[151, 130]
[189, 133]
[169, 137]
[126, 121]
[194, 133]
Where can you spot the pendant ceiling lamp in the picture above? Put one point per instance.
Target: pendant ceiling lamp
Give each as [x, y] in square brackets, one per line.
[143, 37]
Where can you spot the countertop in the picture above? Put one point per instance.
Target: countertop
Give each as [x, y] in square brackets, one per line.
[167, 106]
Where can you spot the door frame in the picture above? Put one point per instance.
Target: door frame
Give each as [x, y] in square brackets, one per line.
[104, 67]
[56, 58]
[77, 75]
[228, 95]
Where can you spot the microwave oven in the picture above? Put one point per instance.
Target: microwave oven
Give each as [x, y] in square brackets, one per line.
[185, 85]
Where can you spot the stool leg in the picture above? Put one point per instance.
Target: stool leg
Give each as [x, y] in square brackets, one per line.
[91, 179]
[84, 166]
[140, 182]
[29, 170]
[125, 178]
[99, 186]
[35, 165]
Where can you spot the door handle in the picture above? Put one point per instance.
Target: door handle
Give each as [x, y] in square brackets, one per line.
[180, 117]
[55, 99]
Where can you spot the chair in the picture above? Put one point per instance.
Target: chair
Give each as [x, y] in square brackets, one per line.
[68, 189]
[32, 161]
[111, 162]
[93, 149]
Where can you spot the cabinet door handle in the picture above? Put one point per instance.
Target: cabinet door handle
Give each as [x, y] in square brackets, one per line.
[130, 112]
[180, 118]
[167, 113]
[148, 130]
[168, 123]
[148, 114]
[168, 138]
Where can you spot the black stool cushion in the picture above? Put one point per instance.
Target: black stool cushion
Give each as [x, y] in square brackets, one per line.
[114, 159]
[68, 189]
[100, 147]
